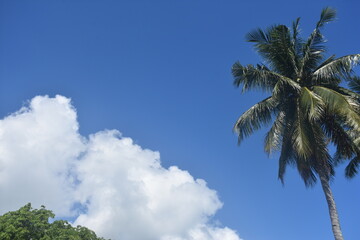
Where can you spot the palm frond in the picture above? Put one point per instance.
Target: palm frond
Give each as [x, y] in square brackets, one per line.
[339, 67]
[357, 140]
[282, 56]
[297, 43]
[340, 104]
[343, 141]
[251, 77]
[295, 31]
[319, 161]
[354, 84]
[352, 94]
[311, 104]
[334, 100]
[286, 158]
[273, 138]
[327, 15]
[313, 51]
[287, 155]
[258, 115]
[355, 97]
[258, 36]
[275, 45]
[310, 145]
[284, 81]
[314, 48]
[326, 82]
[326, 61]
[302, 138]
[306, 170]
[285, 86]
[323, 162]
[352, 97]
[352, 168]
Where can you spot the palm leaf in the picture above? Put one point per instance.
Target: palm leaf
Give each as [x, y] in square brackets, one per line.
[297, 43]
[285, 87]
[251, 77]
[341, 66]
[313, 49]
[275, 45]
[354, 84]
[273, 138]
[311, 104]
[327, 15]
[258, 36]
[287, 155]
[344, 142]
[352, 168]
[306, 171]
[286, 158]
[323, 163]
[258, 115]
[296, 32]
[340, 104]
[318, 161]
[302, 138]
[328, 60]
[345, 91]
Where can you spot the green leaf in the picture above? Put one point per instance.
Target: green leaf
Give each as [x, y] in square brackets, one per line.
[352, 168]
[258, 36]
[311, 104]
[327, 15]
[341, 66]
[340, 104]
[251, 77]
[258, 115]
[354, 84]
[273, 138]
[345, 143]
[28, 223]
[302, 137]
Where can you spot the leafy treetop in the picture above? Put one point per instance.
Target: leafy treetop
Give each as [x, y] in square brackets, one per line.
[28, 223]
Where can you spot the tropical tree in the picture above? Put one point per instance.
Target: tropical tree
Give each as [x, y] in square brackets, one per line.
[28, 223]
[307, 106]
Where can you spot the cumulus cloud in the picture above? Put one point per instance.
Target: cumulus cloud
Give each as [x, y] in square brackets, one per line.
[104, 181]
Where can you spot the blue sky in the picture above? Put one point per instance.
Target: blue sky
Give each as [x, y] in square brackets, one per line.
[160, 72]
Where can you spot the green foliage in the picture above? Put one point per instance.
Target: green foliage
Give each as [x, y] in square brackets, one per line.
[30, 224]
[308, 107]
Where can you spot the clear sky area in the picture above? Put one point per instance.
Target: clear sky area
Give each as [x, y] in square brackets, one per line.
[144, 150]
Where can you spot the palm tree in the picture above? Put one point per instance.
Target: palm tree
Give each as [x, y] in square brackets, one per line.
[308, 108]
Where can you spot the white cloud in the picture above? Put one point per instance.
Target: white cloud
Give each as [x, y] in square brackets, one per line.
[38, 145]
[120, 190]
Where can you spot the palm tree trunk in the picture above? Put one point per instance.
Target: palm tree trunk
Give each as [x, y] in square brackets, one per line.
[335, 223]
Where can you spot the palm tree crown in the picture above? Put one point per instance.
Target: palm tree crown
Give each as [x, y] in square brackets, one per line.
[308, 108]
